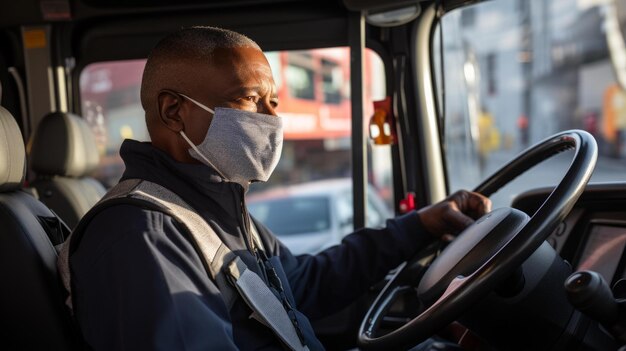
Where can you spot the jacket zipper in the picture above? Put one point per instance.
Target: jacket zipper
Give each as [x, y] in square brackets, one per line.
[249, 240]
[262, 263]
[245, 217]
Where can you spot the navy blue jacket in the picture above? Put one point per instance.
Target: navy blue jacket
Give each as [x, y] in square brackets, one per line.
[139, 284]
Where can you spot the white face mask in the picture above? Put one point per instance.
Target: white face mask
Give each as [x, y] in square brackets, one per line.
[241, 146]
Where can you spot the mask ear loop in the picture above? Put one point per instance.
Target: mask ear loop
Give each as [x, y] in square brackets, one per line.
[206, 108]
[195, 148]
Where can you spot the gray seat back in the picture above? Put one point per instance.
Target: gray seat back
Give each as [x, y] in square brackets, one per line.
[63, 154]
[34, 316]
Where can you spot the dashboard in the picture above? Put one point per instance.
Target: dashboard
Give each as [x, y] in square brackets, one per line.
[593, 236]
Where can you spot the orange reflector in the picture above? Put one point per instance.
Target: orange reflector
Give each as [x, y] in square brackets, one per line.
[381, 126]
[34, 39]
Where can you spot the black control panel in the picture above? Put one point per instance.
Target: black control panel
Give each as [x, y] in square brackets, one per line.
[593, 236]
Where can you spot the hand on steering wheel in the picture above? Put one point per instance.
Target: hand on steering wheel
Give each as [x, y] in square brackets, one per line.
[488, 251]
[455, 213]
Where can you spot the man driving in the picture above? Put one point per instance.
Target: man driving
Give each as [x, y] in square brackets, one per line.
[139, 274]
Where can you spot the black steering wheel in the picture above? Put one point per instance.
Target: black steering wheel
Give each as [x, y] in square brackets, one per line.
[486, 252]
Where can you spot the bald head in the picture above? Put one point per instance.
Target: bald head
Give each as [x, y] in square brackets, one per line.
[175, 57]
[216, 67]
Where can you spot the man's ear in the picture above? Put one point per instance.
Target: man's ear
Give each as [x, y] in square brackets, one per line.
[169, 110]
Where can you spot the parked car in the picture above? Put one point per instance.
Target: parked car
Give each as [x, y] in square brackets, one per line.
[311, 217]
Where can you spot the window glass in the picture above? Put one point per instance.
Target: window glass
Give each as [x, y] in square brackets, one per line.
[332, 82]
[374, 218]
[344, 209]
[516, 72]
[111, 106]
[299, 75]
[314, 95]
[317, 152]
[294, 215]
[380, 176]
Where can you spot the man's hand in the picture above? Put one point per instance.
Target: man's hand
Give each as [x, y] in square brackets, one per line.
[455, 213]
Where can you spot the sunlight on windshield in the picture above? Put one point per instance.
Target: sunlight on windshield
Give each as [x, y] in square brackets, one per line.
[516, 72]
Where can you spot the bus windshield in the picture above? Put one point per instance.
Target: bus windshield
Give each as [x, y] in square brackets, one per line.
[516, 72]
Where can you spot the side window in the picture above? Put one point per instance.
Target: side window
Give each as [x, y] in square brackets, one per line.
[314, 96]
[111, 106]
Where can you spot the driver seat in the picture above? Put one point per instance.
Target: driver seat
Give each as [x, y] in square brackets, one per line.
[34, 316]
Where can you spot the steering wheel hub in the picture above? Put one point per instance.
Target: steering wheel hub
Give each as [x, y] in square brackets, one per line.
[463, 256]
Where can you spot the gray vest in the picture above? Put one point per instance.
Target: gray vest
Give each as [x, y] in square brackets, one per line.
[228, 271]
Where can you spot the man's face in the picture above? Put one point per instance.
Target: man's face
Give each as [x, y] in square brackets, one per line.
[238, 78]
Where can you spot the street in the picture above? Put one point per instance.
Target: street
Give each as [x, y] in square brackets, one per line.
[547, 173]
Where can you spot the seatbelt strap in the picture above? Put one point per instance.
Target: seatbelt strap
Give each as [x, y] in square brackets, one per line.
[220, 262]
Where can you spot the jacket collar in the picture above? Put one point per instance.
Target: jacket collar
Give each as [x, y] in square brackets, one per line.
[193, 182]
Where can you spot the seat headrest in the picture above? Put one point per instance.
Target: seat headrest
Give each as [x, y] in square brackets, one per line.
[63, 145]
[12, 154]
